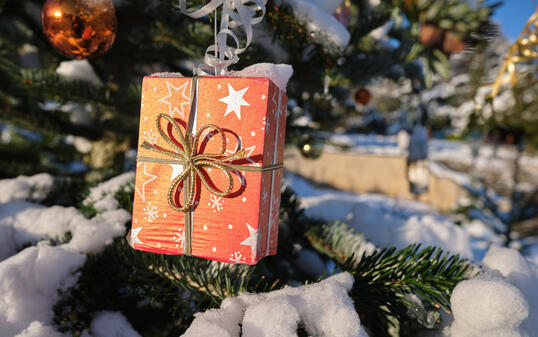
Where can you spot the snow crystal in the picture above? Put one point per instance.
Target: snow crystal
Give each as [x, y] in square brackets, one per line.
[79, 70]
[35, 187]
[319, 22]
[102, 195]
[112, 324]
[38, 329]
[320, 307]
[29, 284]
[501, 301]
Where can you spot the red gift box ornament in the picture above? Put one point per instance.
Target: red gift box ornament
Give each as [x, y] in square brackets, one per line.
[222, 149]
[223, 161]
[188, 154]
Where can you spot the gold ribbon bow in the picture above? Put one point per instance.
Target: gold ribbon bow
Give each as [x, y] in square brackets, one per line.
[188, 154]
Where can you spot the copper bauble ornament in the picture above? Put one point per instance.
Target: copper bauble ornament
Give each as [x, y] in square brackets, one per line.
[311, 147]
[452, 43]
[362, 96]
[430, 35]
[80, 28]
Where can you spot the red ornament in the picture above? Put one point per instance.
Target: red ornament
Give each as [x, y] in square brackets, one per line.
[362, 96]
[452, 43]
[430, 35]
[240, 226]
[80, 28]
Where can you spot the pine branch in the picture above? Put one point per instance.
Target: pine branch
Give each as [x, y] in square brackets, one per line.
[384, 278]
[338, 241]
[44, 84]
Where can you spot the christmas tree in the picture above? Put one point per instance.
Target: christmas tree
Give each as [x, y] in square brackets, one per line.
[69, 131]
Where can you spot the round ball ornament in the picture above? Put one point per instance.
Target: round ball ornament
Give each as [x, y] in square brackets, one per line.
[80, 28]
[311, 147]
[430, 35]
[362, 96]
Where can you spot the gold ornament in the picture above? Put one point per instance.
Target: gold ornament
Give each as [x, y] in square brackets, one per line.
[523, 50]
[80, 28]
[311, 147]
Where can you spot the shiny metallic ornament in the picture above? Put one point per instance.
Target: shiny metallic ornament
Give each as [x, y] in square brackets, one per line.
[80, 28]
[311, 147]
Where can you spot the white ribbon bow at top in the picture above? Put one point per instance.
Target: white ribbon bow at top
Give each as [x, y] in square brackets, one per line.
[235, 13]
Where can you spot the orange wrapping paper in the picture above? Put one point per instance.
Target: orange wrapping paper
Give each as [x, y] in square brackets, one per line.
[241, 227]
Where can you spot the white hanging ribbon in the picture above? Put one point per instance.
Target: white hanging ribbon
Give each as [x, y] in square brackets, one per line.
[235, 13]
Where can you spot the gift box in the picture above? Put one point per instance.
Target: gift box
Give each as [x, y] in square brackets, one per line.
[209, 167]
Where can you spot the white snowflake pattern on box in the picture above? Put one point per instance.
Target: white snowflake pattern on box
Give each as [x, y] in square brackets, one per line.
[151, 212]
[216, 203]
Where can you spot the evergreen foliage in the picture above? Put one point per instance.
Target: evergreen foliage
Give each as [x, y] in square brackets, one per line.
[160, 293]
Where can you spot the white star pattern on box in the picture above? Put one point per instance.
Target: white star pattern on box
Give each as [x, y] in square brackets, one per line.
[133, 239]
[234, 101]
[264, 196]
[241, 177]
[151, 178]
[150, 136]
[177, 169]
[237, 257]
[215, 202]
[248, 150]
[252, 240]
[179, 237]
[151, 212]
[174, 103]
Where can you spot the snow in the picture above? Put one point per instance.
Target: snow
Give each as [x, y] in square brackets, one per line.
[79, 70]
[501, 301]
[385, 221]
[322, 25]
[38, 329]
[321, 307]
[29, 284]
[35, 187]
[328, 6]
[112, 324]
[279, 74]
[28, 222]
[102, 195]
[31, 279]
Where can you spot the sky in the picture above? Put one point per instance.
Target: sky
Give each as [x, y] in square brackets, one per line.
[513, 15]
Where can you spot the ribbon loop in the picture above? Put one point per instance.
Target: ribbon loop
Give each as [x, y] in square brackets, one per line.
[189, 155]
[235, 13]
